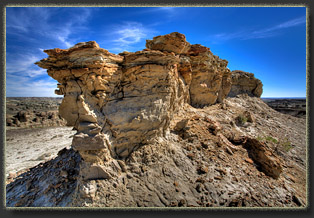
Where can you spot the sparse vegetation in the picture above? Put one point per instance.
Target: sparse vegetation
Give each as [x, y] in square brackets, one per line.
[280, 144]
[271, 139]
[286, 144]
[242, 119]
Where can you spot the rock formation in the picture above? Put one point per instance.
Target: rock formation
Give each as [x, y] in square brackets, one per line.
[120, 102]
[243, 82]
[145, 137]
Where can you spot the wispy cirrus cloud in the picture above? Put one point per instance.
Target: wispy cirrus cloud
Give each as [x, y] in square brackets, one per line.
[160, 11]
[19, 86]
[23, 65]
[23, 77]
[24, 19]
[261, 33]
[40, 22]
[29, 30]
[130, 36]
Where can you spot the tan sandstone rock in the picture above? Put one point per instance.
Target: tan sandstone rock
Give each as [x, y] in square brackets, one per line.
[119, 102]
[210, 77]
[245, 83]
[173, 42]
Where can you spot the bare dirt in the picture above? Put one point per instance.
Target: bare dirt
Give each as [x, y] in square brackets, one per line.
[208, 159]
[25, 148]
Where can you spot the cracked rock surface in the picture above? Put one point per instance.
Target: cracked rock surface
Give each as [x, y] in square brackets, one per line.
[245, 83]
[154, 128]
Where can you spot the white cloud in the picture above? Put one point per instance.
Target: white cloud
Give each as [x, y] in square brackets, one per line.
[37, 26]
[64, 39]
[128, 35]
[19, 86]
[258, 34]
[25, 19]
[23, 65]
[71, 26]
[39, 22]
[291, 23]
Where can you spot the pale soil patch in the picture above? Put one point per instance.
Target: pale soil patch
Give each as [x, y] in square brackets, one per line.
[26, 148]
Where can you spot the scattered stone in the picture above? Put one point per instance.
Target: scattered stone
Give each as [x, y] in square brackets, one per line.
[249, 160]
[218, 177]
[191, 155]
[202, 170]
[149, 133]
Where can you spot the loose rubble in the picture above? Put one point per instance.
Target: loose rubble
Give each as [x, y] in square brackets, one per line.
[155, 128]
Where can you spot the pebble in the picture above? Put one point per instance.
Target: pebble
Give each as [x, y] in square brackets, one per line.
[12, 175]
[249, 160]
[218, 177]
[229, 151]
[202, 170]
[64, 173]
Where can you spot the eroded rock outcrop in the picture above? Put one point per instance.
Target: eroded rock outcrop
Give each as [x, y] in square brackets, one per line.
[245, 83]
[33, 112]
[210, 80]
[118, 103]
[145, 138]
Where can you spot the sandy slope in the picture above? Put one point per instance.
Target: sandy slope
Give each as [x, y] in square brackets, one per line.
[26, 148]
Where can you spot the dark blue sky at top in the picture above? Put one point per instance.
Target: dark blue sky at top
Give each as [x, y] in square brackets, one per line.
[267, 41]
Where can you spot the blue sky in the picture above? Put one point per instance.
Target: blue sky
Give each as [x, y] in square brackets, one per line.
[267, 41]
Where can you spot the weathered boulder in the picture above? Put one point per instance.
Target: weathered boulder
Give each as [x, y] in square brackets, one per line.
[269, 163]
[116, 102]
[245, 83]
[173, 42]
[89, 77]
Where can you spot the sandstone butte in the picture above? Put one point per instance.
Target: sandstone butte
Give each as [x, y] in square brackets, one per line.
[155, 128]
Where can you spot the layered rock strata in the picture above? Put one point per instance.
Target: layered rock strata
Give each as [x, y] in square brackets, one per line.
[205, 74]
[120, 102]
[141, 143]
[245, 83]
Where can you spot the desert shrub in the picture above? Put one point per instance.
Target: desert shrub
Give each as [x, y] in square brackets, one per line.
[271, 139]
[259, 138]
[282, 144]
[242, 119]
[286, 144]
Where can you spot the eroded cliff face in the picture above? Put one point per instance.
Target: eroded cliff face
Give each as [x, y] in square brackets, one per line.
[120, 102]
[245, 83]
[206, 75]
